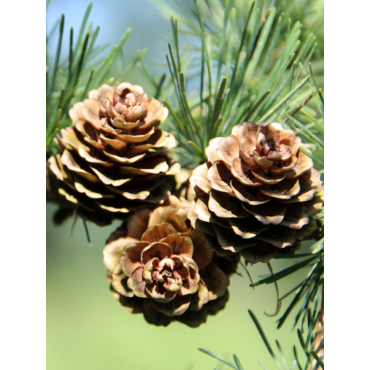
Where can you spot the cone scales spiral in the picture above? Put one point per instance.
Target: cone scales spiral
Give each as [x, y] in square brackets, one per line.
[256, 192]
[106, 161]
[159, 267]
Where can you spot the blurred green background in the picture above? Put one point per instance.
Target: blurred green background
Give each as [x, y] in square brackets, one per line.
[86, 327]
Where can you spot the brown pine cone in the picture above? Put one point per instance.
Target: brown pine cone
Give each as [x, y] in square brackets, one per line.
[111, 159]
[256, 192]
[162, 268]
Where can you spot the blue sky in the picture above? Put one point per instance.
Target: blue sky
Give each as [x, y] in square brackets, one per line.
[149, 29]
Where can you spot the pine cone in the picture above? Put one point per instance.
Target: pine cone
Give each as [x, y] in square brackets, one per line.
[256, 192]
[183, 187]
[159, 267]
[104, 161]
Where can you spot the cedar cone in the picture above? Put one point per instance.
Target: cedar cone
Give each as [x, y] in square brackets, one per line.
[67, 209]
[256, 192]
[159, 267]
[104, 163]
[183, 187]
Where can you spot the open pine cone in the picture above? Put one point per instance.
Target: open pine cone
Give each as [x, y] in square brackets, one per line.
[158, 266]
[104, 162]
[256, 192]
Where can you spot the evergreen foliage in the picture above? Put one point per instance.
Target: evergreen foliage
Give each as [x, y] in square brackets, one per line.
[251, 65]
[258, 61]
[68, 81]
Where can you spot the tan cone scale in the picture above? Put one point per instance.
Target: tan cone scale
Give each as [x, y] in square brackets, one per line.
[158, 266]
[104, 162]
[256, 192]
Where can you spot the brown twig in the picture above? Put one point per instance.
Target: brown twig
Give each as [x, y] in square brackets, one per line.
[299, 108]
